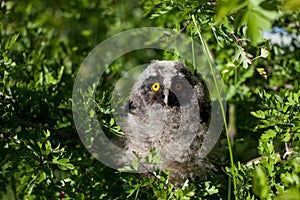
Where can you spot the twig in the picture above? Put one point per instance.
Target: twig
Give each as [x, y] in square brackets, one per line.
[187, 23]
[255, 161]
[238, 41]
[288, 152]
[182, 30]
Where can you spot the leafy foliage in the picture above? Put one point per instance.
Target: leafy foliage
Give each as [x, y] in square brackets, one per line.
[42, 45]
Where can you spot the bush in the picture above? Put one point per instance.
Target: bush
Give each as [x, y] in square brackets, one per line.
[43, 44]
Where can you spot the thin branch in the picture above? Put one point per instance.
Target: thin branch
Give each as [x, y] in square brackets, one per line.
[182, 30]
[238, 41]
[187, 23]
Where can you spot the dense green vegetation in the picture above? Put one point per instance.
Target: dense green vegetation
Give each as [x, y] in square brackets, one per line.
[43, 44]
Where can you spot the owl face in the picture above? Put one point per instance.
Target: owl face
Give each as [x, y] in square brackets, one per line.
[167, 103]
[165, 83]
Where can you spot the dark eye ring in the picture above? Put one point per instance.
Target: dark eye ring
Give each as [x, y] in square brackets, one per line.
[178, 87]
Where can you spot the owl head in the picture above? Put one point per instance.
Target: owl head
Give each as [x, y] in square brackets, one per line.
[169, 84]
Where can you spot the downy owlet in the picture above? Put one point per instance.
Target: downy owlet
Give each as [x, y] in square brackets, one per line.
[169, 112]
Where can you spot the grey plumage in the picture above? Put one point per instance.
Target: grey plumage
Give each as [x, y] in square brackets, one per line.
[169, 111]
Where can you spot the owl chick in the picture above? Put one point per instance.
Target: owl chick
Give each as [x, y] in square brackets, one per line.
[169, 111]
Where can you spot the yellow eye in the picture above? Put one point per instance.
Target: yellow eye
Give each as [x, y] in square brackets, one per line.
[178, 87]
[155, 87]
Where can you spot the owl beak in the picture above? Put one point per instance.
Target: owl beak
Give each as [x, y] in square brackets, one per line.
[166, 93]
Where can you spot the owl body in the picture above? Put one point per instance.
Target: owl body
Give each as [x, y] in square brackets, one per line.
[169, 112]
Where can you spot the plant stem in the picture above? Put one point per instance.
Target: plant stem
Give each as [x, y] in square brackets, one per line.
[193, 54]
[207, 54]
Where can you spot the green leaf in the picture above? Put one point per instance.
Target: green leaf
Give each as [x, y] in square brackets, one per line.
[260, 183]
[42, 176]
[63, 164]
[49, 79]
[112, 121]
[135, 165]
[256, 23]
[264, 53]
[48, 148]
[258, 114]
[228, 6]
[11, 41]
[62, 124]
[267, 135]
[291, 4]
